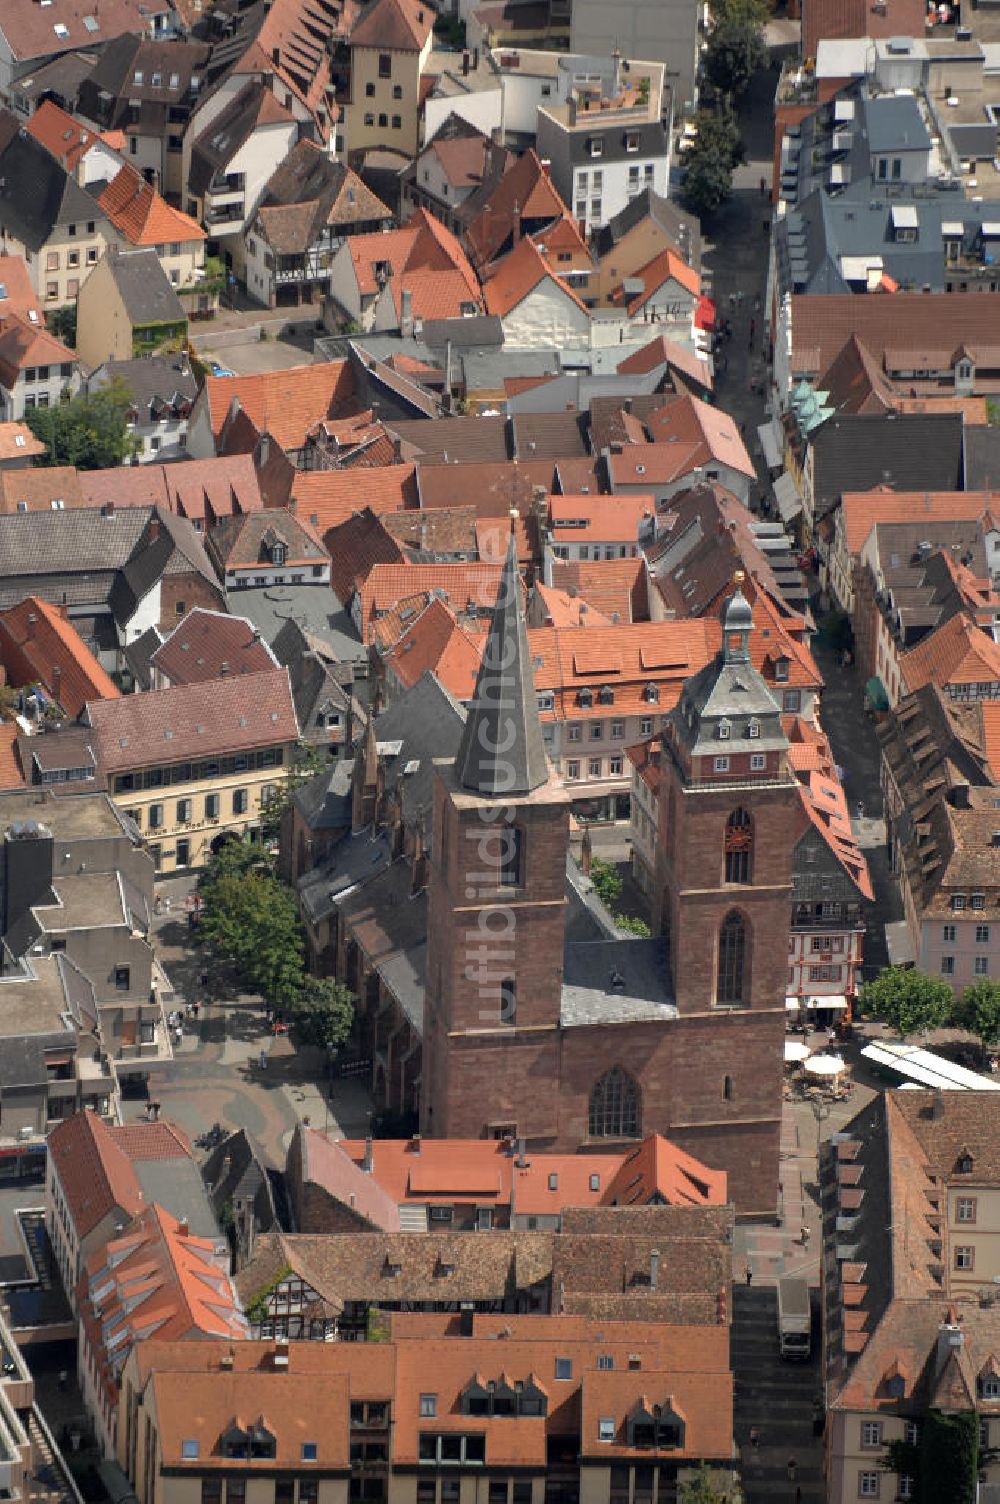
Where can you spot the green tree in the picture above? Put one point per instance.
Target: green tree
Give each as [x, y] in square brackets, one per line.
[607, 882]
[307, 761]
[978, 1010]
[88, 431]
[323, 1012]
[949, 1457]
[704, 1487]
[736, 47]
[717, 150]
[251, 918]
[910, 1002]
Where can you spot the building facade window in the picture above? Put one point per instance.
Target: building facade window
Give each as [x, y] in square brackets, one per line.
[732, 960]
[614, 1106]
[966, 1208]
[965, 1257]
[738, 847]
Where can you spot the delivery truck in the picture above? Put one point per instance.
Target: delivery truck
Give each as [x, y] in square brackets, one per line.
[794, 1319]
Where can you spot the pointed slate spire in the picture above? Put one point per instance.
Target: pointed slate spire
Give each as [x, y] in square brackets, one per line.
[501, 751]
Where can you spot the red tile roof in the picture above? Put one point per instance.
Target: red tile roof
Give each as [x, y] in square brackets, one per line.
[23, 343]
[355, 547]
[517, 275]
[286, 403]
[957, 653]
[18, 295]
[691, 420]
[139, 213]
[834, 20]
[17, 442]
[663, 351]
[37, 489]
[11, 774]
[614, 587]
[914, 322]
[29, 29]
[825, 802]
[665, 266]
[604, 519]
[399, 25]
[425, 258]
[326, 498]
[562, 609]
[206, 643]
[196, 720]
[436, 641]
[862, 510]
[94, 1170]
[39, 645]
[457, 584]
[63, 137]
[525, 192]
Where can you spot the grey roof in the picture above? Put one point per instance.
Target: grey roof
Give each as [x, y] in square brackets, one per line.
[682, 228]
[144, 287]
[654, 140]
[405, 976]
[982, 458]
[358, 859]
[616, 982]
[176, 549]
[81, 540]
[176, 1184]
[325, 801]
[236, 1168]
[486, 331]
[895, 124]
[727, 707]
[154, 378]
[427, 722]
[502, 751]
[138, 654]
[315, 608]
[36, 193]
[910, 451]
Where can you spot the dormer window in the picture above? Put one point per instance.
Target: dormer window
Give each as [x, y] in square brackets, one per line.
[279, 552]
[753, 730]
[651, 694]
[781, 670]
[585, 698]
[964, 1163]
[606, 695]
[725, 730]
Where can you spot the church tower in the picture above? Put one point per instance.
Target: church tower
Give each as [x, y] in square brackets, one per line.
[726, 834]
[496, 905]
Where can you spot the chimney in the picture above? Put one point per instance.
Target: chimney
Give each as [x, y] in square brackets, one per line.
[465, 1318]
[154, 528]
[515, 224]
[368, 1164]
[654, 1268]
[572, 109]
[183, 1230]
[415, 1144]
[949, 1340]
[937, 1103]
[293, 505]
[224, 669]
[397, 451]
[546, 165]
[406, 313]
[32, 623]
[264, 450]
[521, 1161]
[108, 509]
[465, 63]
[616, 78]
[228, 1360]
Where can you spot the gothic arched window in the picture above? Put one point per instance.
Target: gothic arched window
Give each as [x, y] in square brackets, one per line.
[738, 847]
[732, 956]
[614, 1106]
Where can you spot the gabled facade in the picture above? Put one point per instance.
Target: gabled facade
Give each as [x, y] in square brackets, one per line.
[390, 46]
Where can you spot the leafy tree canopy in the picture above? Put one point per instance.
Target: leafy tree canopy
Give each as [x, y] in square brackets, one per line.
[716, 151]
[90, 432]
[978, 1010]
[323, 1012]
[736, 49]
[251, 917]
[910, 1002]
[306, 762]
[704, 1487]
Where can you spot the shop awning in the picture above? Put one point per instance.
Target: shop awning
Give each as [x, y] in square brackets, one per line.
[769, 444]
[792, 1004]
[787, 496]
[875, 694]
[704, 313]
[836, 1001]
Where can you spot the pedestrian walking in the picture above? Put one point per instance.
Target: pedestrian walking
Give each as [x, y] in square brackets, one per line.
[763, 187]
[263, 1060]
[755, 1438]
[749, 1274]
[732, 299]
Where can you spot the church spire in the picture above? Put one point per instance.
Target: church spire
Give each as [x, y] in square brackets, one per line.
[501, 751]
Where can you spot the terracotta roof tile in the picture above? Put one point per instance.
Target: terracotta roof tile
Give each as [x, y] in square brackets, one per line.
[663, 351]
[862, 510]
[518, 274]
[63, 137]
[38, 644]
[957, 653]
[666, 266]
[95, 1172]
[24, 343]
[821, 324]
[456, 584]
[559, 608]
[604, 519]
[17, 442]
[171, 725]
[142, 216]
[286, 403]
[525, 190]
[11, 774]
[355, 546]
[35, 490]
[435, 641]
[327, 498]
[18, 295]
[832, 20]
[400, 25]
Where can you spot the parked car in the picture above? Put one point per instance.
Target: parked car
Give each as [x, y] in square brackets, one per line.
[215, 369]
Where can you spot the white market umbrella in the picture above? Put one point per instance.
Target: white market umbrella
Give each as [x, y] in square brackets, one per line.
[824, 1065]
[795, 1051]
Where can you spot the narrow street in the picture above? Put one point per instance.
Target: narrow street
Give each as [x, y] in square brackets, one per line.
[777, 1397]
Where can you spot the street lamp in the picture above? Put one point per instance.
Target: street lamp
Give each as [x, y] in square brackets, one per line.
[821, 1111]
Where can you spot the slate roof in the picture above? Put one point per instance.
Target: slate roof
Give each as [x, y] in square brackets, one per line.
[919, 451]
[682, 228]
[502, 751]
[69, 542]
[144, 287]
[36, 193]
[156, 378]
[308, 191]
